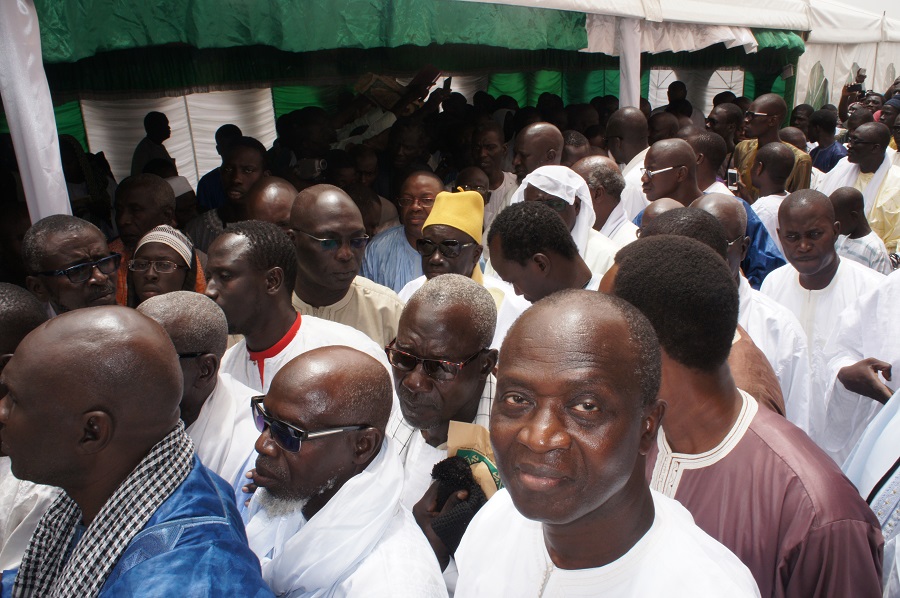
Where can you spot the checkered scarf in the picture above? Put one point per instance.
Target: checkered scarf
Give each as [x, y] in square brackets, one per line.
[44, 571]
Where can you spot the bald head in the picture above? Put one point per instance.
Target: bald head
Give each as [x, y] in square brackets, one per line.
[807, 201]
[771, 104]
[270, 199]
[338, 384]
[662, 125]
[314, 205]
[846, 200]
[731, 214]
[776, 161]
[728, 210]
[628, 123]
[538, 144]
[660, 206]
[794, 136]
[675, 163]
[626, 134]
[193, 321]
[20, 313]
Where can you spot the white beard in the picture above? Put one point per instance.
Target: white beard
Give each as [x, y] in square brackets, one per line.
[276, 507]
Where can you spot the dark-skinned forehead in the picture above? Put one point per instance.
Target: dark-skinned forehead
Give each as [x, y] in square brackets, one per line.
[446, 329]
[445, 232]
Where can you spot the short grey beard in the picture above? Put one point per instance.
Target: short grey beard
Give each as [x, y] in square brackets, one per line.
[275, 506]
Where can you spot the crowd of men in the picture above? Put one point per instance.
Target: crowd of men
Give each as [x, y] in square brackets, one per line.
[473, 349]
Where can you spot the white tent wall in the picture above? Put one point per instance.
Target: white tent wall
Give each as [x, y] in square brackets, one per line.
[837, 63]
[116, 126]
[887, 65]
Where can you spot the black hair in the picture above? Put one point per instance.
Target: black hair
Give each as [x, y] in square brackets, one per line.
[34, 243]
[711, 145]
[530, 227]
[688, 294]
[693, 223]
[774, 158]
[826, 120]
[268, 248]
[20, 313]
[253, 144]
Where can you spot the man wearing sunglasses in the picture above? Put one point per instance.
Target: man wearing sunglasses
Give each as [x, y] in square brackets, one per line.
[868, 167]
[327, 519]
[449, 245]
[69, 264]
[330, 240]
[391, 259]
[761, 124]
[252, 270]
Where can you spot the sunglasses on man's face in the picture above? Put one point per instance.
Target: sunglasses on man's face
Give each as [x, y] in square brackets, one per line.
[436, 369]
[81, 272]
[450, 248]
[288, 436]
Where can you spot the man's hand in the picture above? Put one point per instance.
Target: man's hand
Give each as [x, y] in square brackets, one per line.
[249, 488]
[862, 378]
[744, 192]
[425, 511]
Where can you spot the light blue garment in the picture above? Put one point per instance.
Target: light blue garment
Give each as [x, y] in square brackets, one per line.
[391, 261]
[194, 545]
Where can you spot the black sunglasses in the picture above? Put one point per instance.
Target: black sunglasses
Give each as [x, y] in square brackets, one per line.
[81, 272]
[437, 369]
[450, 248]
[285, 435]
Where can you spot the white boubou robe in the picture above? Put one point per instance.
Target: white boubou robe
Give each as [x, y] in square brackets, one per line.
[873, 468]
[363, 542]
[224, 434]
[867, 328]
[818, 312]
[504, 554]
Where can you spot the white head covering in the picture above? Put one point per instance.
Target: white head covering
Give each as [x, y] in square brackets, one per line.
[564, 183]
[180, 185]
[172, 237]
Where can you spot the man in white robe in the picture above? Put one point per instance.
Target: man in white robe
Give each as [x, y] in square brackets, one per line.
[252, 270]
[816, 286]
[451, 244]
[863, 357]
[572, 458]
[327, 519]
[868, 168]
[874, 468]
[773, 327]
[215, 407]
[450, 318]
[567, 193]
[626, 140]
[606, 185]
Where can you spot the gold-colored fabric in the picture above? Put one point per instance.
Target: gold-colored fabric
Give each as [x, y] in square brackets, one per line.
[463, 211]
[745, 158]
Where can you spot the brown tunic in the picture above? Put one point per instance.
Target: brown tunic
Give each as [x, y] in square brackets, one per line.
[770, 495]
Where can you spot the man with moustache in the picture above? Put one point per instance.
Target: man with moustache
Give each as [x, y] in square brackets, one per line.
[816, 286]
[330, 241]
[327, 518]
[574, 416]
[391, 259]
[243, 165]
[69, 264]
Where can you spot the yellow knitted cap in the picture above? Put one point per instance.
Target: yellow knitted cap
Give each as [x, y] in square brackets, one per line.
[463, 211]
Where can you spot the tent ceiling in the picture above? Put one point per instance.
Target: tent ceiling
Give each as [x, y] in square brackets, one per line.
[771, 14]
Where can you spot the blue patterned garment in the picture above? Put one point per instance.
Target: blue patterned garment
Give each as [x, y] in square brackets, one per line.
[194, 545]
[391, 261]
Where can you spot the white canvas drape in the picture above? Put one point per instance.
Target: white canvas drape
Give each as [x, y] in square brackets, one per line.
[29, 110]
[116, 126]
